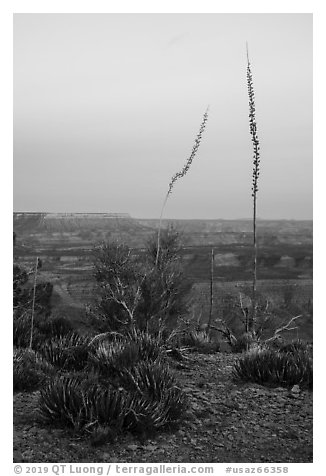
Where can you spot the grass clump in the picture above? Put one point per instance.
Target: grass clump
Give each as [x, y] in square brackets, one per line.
[200, 341]
[54, 326]
[45, 328]
[274, 368]
[242, 342]
[291, 347]
[21, 328]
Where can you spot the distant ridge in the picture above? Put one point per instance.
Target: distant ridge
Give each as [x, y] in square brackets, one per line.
[83, 229]
[70, 215]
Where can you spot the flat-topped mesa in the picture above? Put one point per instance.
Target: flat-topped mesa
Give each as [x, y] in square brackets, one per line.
[72, 215]
[88, 215]
[32, 222]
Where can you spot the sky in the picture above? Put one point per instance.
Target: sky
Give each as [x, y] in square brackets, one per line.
[107, 108]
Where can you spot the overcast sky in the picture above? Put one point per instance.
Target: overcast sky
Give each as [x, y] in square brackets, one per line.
[107, 107]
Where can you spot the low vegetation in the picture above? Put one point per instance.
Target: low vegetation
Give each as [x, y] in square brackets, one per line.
[199, 341]
[67, 352]
[122, 385]
[30, 370]
[286, 366]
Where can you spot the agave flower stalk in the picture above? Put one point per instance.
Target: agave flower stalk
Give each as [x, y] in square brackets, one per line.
[254, 188]
[179, 175]
[211, 294]
[33, 302]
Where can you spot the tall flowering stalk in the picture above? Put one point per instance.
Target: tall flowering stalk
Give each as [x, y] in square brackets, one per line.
[37, 264]
[254, 189]
[181, 174]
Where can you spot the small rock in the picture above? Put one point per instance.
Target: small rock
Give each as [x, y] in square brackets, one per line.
[165, 446]
[188, 389]
[106, 458]
[295, 389]
[150, 448]
[132, 447]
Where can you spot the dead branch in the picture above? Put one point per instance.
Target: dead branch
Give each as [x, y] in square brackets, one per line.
[242, 308]
[284, 328]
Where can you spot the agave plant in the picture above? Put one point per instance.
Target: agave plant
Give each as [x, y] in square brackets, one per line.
[150, 379]
[131, 389]
[113, 357]
[30, 370]
[150, 348]
[110, 358]
[85, 405]
[81, 403]
[63, 401]
[107, 406]
[68, 352]
[157, 400]
[144, 415]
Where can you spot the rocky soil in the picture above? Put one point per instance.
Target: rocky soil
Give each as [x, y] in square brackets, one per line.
[226, 422]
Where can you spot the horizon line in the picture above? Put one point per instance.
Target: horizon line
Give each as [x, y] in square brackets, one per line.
[125, 214]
